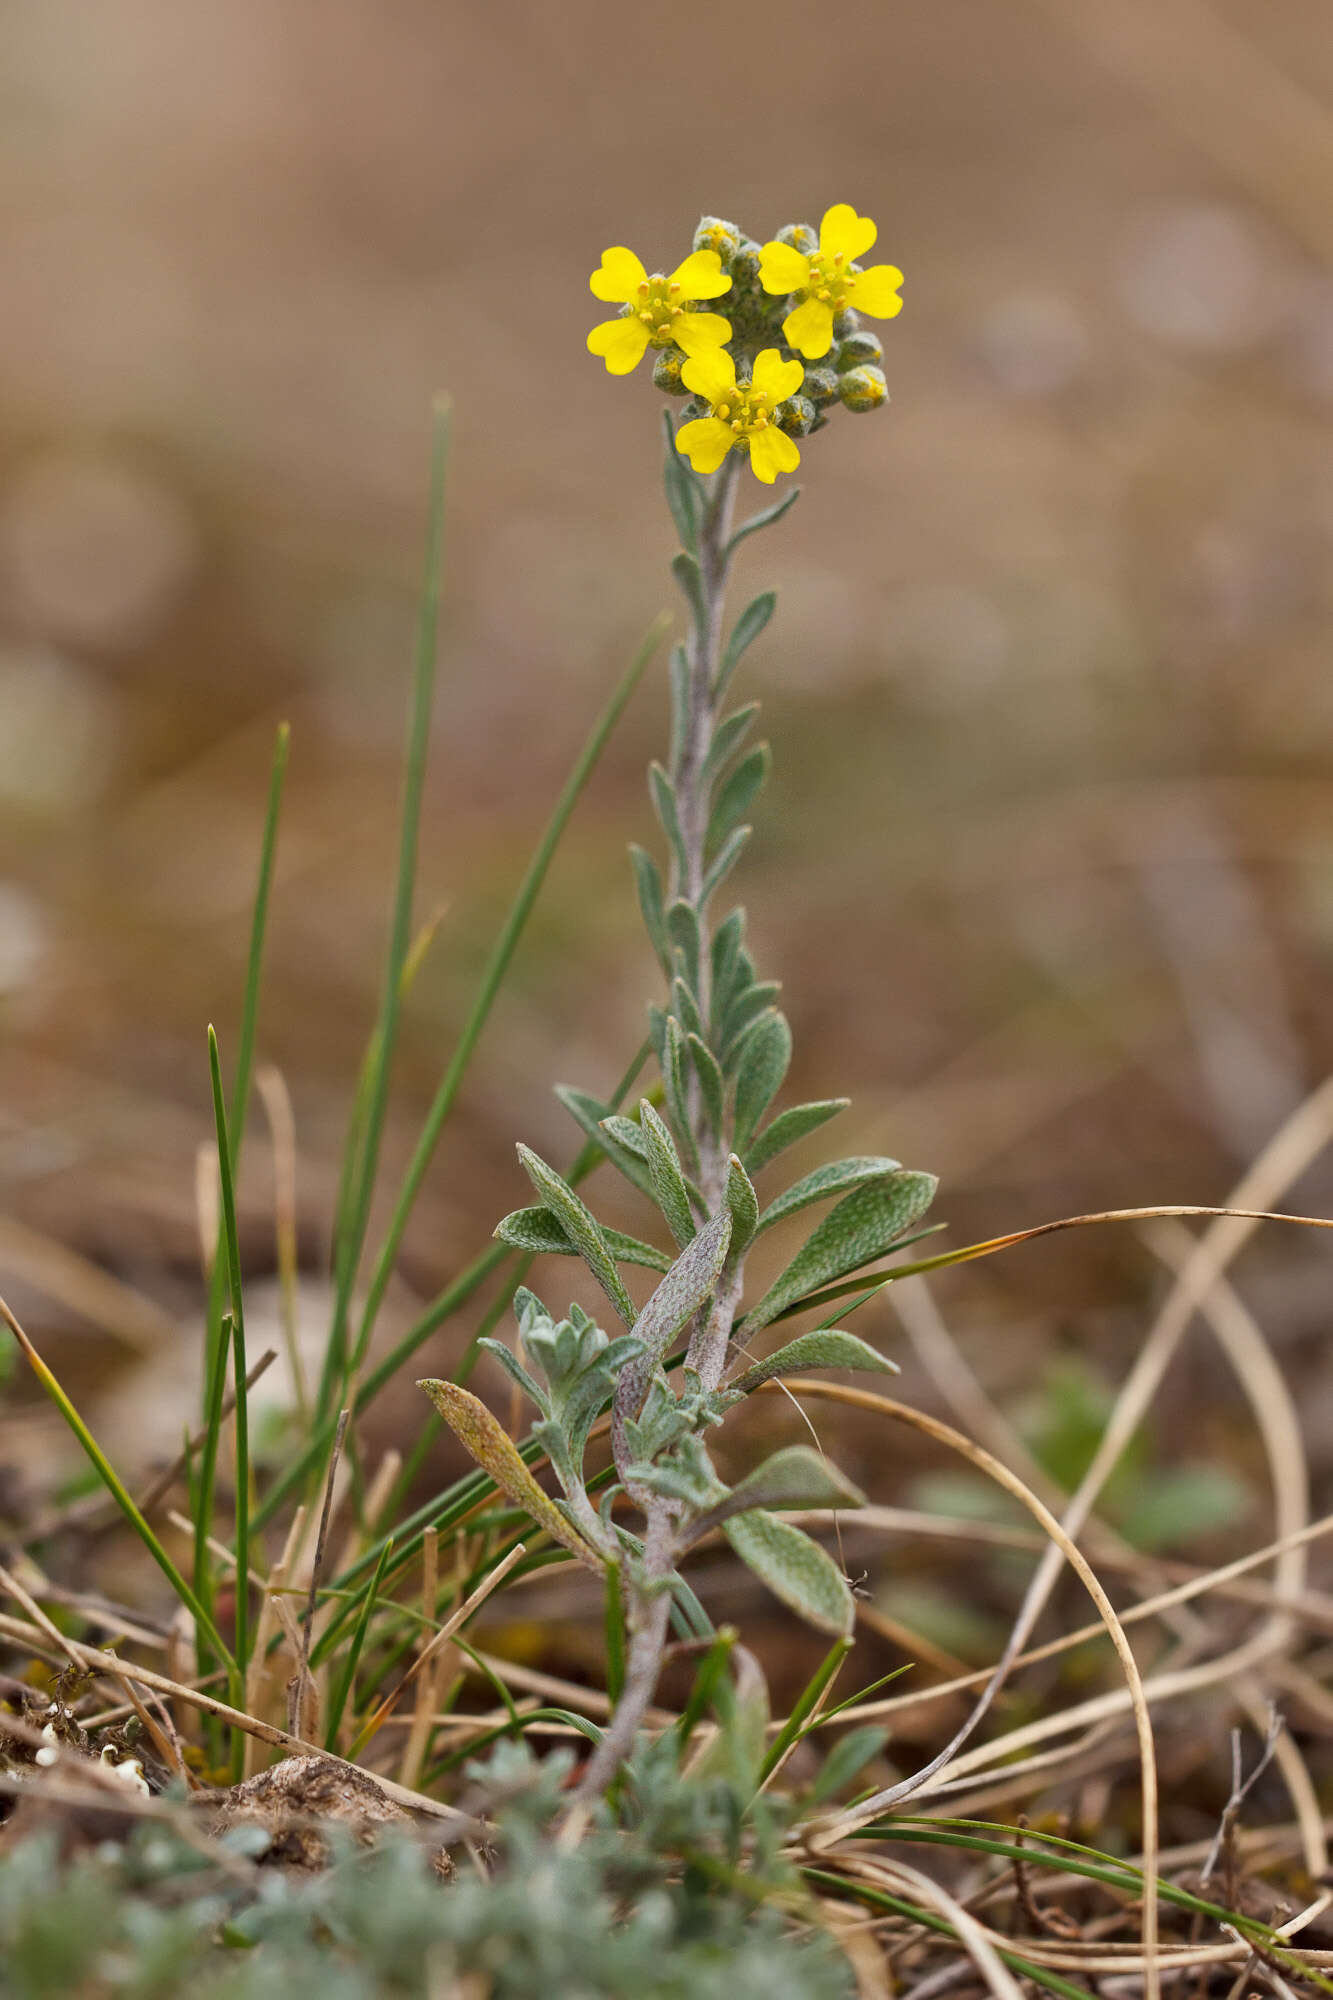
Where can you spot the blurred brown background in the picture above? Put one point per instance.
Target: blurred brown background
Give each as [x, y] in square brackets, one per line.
[1047, 865]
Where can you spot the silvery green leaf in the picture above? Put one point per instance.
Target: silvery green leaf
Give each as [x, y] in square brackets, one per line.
[836, 1178]
[664, 804]
[727, 739]
[657, 1031]
[863, 1226]
[723, 862]
[687, 1474]
[829, 1347]
[682, 492]
[870, 1282]
[682, 922]
[796, 1570]
[737, 794]
[627, 1134]
[593, 1119]
[649, 883]
[765, 518]
[581, 1227]
[760, 1067]
[684, 1007]
[745, 1009]
[742, 1206]
[679, 671]
[789, 1126]
[540, 1233]
[686, 572]
[791, 1479]
[728, 939]
[665, 1175]
[674, 1079]
[682, 1291]
[514, 1368]
[711, 1087]
[845, 1761]
[743, 634]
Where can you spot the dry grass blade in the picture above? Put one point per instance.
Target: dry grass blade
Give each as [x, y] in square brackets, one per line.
[984, 1462]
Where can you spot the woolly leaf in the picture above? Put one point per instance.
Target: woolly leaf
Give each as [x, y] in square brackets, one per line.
[795, 1569]
[678, 669]
[743, 634]
[827, 1348]
[789, 1126]
[760, 1067]
[864, 1225]
[764, 518]
[685, 1007]
[711, 1086]
[727, 739]
[742, 1206]
[679, 1296]
[682, 922]
[540, 1233]
[514, 1368]
[836, 1178]
[581, 1227]
[748, 1004]
[495, 1451]
[738, 794]
[664, 804]
[593, 1119]
[677, 1089]
[649, 883]
[793, 1478]
[682, 491]
[686, 572]
[723, 862]
[665, 1175]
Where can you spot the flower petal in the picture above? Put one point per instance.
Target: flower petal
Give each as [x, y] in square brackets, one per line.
[701, 276]
[876, 291]
[782, 269]
[772, 452]
[710, 372]
[775, 377]
[696, 331]
[705, 442]
[620, 342]
[843, 229]
[809, 329]
[618, 277]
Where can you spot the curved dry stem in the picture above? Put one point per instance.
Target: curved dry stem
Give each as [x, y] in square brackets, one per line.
[984, 1462]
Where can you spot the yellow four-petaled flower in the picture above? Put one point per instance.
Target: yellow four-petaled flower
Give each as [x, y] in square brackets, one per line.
[742, 413]
[827, 282]
[662, 309]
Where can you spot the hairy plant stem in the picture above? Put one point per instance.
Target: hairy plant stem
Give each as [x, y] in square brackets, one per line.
[646, 1593]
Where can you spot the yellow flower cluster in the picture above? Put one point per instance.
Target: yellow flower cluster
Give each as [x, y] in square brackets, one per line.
[814, 287]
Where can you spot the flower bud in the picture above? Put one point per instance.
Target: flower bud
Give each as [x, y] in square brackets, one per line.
[845, 323]
[859, 350]
[800, 236]
[863, 389]
[796, 416]
[745, 266]
[666, 372]
[821, 386]
[715, 234]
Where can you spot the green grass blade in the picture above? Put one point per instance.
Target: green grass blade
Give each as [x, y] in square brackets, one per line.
[232, 1247]
[493, 978]
[370, 1115]
[245, 1043]
[348, 1675]
[794, 1727]
[106, 1473]
[880, 1899]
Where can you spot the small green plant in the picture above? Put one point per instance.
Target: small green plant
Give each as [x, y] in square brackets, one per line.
[721, 1043]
